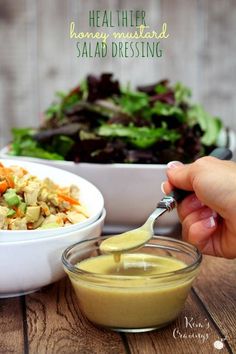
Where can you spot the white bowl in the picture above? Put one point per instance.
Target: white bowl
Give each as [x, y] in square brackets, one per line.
[90, 197]
[27, 266]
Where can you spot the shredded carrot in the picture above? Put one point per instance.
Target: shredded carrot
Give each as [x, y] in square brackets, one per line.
[3, 186]
[19, 212]
[2, 171]
[6, 173]
[68, 199]
[10, 181]
[5, 170]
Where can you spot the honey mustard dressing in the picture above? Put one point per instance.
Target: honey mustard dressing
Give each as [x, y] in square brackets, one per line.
[129, 296]
[138, 264]
[124, 242]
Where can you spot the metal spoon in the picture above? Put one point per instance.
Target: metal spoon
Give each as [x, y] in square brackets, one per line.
[138, 237]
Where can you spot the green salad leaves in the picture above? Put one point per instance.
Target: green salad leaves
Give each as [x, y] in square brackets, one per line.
[100, 121]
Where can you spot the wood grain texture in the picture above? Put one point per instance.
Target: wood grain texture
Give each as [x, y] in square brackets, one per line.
[216, 287]
[11, 326]
[56, 325]
[199, 339]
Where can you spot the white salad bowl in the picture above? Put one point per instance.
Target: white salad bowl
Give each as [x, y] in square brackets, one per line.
[90, 197]
[29, 265]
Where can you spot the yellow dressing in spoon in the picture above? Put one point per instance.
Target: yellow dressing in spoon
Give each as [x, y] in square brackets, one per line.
[125, 242]
[136, 238]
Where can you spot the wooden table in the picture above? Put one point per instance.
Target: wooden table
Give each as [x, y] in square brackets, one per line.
[50, 321]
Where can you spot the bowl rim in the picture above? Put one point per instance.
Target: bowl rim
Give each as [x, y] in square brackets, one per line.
[71, 227]
[58, 163]
[167, 275]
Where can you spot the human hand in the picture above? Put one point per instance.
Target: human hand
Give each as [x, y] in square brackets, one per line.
[208, 215]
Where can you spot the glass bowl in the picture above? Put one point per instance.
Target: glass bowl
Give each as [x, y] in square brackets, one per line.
[133, 303]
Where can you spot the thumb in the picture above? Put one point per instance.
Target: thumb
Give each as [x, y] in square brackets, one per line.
[180, 175]
[206, 177]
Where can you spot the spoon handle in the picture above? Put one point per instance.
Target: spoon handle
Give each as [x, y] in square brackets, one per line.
[220, 153]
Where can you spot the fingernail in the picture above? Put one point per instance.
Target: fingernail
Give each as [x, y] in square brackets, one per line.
[195, 203]
[207, 212]
[162, 188]
[174, 164]
[209, 222]
[214, 214]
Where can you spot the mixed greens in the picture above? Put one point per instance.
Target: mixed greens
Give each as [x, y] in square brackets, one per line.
[101, 122]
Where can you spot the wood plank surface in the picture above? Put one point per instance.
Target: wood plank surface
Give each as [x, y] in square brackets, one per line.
[11, 326]
[216, 287]
[56, 325]
[198, 339]
[49, 321]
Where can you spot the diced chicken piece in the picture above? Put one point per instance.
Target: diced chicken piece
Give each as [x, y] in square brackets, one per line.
[63, 205]
[3, 217]
[53, 219]
[17, 171]
[43, 195]
[32, 213]
[46, 196]
[31, 193]
[52, 198]
[18, 224]
[45, 209]
[49, 184]
[74, 192]
[74, 217]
